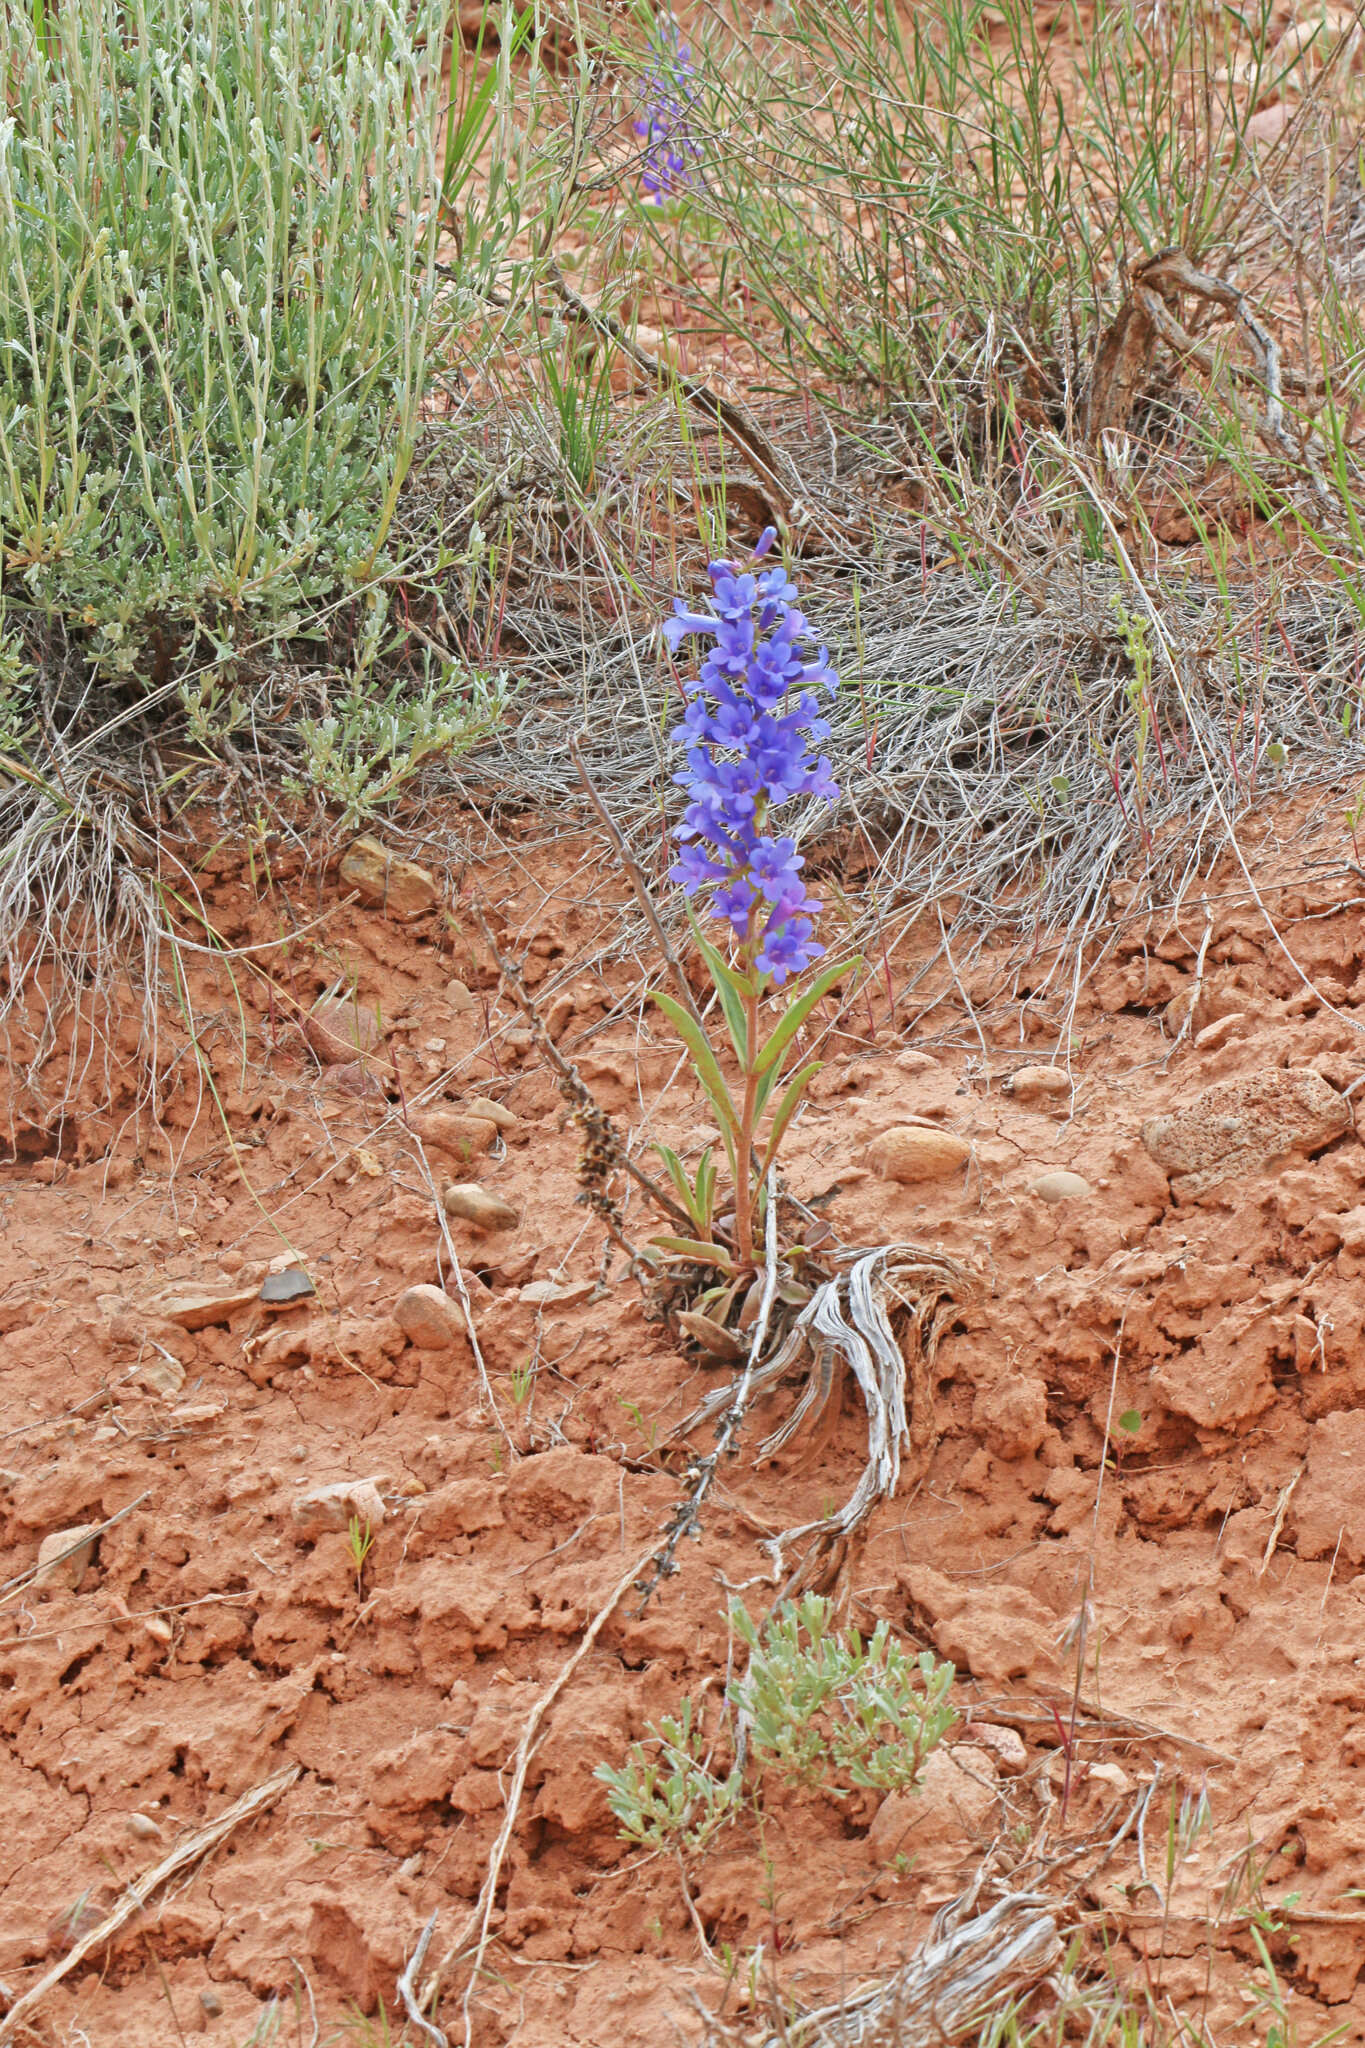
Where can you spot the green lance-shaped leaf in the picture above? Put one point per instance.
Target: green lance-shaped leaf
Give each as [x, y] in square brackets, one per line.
[733, 989]
[795, 1017]
[707, 1068]
[678, 1174]
[693, 1248]
[786, 1110]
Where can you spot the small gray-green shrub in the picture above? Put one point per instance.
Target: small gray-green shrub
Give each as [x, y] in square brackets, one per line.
[820, 1707]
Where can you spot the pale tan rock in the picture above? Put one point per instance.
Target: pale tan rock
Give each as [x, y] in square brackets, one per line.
[329, 1508]
[197, 1308]
[1008, 1750]
[456, 1131]
[429, 1318]
[1039, 1084]
[57, 1569]
[556, 1293]
[473, 1204]
[1241, 1127]
[912, 1152]
[337, 1030]
[496, 1112]
[141, 1826]
[385, 882]
[1060, 1186]
[463, 1002]
[165, 1376]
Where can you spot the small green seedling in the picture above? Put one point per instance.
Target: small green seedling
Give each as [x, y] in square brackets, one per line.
[360, 1539]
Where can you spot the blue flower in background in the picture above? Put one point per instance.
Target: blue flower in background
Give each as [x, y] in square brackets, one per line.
[671, 151]
[752, 717]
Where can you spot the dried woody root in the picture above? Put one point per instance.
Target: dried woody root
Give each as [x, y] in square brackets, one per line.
[849, 1322]
[1151, 312]
[962, 1976]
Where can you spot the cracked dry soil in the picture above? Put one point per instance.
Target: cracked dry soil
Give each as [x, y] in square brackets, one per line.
[222, 1629]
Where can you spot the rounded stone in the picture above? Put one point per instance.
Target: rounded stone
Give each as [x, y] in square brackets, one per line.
[912, 1152]
[473, 1204]
[55, 1566]
[1035, 1084]
[429, 1318]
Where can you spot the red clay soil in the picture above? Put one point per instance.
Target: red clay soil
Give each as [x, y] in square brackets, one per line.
[222, 1629]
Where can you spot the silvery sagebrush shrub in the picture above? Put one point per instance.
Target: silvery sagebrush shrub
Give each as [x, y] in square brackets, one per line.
[217, 225]
[824, 1704]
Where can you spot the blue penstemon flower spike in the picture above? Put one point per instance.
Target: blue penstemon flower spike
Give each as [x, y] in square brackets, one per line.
[750, 730]
[670, 151]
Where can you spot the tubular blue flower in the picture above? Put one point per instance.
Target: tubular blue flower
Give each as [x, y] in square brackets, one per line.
[752, 718]
[670, 151]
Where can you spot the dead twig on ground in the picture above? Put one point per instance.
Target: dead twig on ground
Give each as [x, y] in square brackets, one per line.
[137, 1894]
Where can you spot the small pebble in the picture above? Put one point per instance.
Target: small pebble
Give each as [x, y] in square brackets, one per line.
[429, 1318]
[142, 1825]
[496, 1112]
[56, 1569]
[1032, 1084]
[1059, 1187]
[1220, 1031]
[212, 2003]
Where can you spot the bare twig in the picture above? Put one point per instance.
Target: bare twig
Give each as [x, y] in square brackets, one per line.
[638, 883]
[575, 1089]
[136, 1895]
[476, 1927]
[13, 1586]
[701, 1475]
[407, 1983]
[783, 485]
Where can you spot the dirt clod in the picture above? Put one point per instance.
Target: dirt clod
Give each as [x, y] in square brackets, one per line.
[1244, 1126]
[456, 1132]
